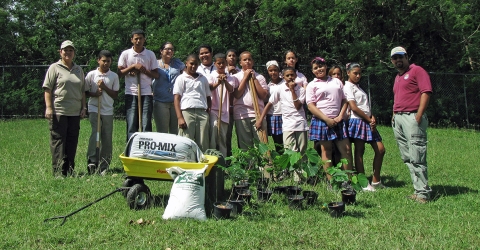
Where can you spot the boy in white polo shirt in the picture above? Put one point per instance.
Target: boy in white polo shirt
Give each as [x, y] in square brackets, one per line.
[101, 84]
[192, 101]
[134, 61]
[291, 97]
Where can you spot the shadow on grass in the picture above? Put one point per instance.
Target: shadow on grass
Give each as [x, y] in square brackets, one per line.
[160, 200]
[447, 190]
[116, 170]
[391, 181]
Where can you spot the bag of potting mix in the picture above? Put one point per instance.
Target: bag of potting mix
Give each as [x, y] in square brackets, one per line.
[162, 146]
[187, 197]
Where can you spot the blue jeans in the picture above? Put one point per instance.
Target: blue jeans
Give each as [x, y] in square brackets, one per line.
[131, 108]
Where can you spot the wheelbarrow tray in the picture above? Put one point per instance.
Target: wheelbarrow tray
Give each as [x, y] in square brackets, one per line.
[157, 170]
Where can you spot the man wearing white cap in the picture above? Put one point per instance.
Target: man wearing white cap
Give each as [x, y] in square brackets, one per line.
[412, 90]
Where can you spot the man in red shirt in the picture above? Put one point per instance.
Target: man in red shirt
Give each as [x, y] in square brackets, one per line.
[412, 90]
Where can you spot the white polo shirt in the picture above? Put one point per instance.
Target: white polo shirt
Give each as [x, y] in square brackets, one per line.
[194, 91]
[293, 119]
[148, 60]
[353, 92]
[110, 79]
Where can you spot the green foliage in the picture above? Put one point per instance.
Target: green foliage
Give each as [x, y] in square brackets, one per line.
[340, 177]
[247, 164]
[291, 160]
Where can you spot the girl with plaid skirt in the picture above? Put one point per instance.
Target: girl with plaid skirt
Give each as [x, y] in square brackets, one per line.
[327, 102]
[362, 125]
[274, 116]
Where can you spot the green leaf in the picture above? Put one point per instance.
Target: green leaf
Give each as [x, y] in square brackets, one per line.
[312, 155]
[282, 162]
[311, 169]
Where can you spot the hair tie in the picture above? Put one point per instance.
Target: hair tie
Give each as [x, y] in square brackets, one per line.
[318, 59]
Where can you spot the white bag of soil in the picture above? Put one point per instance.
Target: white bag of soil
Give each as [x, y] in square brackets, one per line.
[187, 197]
[162, 146]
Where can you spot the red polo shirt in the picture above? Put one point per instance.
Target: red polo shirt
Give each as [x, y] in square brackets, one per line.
[408, 88]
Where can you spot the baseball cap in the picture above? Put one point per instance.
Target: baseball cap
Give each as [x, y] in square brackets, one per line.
[273, 62]
[67, 43]
[398, 51]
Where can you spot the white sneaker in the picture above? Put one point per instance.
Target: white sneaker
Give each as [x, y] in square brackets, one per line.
[369, 188]
[378, 185]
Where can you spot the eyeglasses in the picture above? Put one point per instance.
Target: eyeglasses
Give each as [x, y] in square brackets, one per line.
[395, 57]
[171, 49]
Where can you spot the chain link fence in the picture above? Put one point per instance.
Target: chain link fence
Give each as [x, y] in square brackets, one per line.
[452, 103]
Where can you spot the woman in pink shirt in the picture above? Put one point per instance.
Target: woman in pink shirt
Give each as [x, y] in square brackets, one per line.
[327, 102]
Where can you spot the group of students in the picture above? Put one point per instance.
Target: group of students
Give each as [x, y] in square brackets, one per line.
[202, 97]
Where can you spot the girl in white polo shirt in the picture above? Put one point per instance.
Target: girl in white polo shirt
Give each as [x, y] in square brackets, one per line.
[362, 126]
[192, 101]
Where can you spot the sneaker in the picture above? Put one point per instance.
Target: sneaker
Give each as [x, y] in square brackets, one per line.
[91, 168]
[378, 185]
[415, 197]
[369, 188]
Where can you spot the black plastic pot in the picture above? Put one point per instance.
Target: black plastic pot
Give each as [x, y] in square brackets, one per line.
[244, 194]
[294, 190]
[239, 187]
[221, 210]
[310, 197]
[295, 202]
[336, 209]
[280, 189]
[262, 183]
[349, 196]
[237, 206]
[264, 194]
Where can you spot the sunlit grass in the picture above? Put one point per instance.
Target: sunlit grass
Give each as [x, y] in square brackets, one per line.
[380, 220]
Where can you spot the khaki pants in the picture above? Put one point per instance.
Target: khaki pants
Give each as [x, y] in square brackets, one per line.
[216, 138]
[412, 142]
[198, 128]
[106, 131]
[246, 132]
[295, 140]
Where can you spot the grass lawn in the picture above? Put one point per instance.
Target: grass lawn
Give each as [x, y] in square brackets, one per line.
[381, 220]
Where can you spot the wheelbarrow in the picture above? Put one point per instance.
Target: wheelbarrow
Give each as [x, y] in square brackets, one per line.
[137, 170]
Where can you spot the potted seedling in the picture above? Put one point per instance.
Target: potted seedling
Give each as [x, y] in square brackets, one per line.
[304, 165]
[347, 182]
[237, 174]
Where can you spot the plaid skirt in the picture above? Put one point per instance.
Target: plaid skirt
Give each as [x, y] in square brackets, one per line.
[274, 125]
[319, 131]
[359, 129]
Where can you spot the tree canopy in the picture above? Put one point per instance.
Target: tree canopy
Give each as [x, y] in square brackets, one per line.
[439, 35]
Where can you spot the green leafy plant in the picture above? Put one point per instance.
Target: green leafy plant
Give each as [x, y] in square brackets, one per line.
[346, 179]
[247, 165]
[306, 164]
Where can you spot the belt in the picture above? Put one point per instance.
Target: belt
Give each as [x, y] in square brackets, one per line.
[405, 112]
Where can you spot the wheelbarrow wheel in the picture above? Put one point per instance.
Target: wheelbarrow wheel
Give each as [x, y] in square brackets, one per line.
[138, 197]
[127, 183]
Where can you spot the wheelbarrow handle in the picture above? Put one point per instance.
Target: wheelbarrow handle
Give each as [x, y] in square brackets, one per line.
[64, 217]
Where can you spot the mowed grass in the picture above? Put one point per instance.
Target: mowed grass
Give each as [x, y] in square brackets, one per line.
[381, 220]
